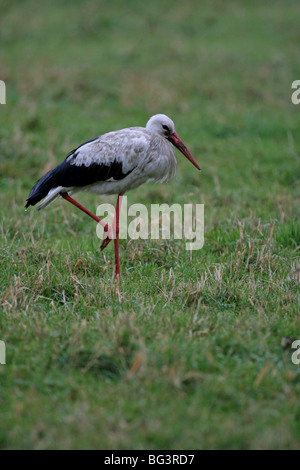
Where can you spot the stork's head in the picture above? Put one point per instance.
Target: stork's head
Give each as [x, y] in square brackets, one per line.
[165, 127]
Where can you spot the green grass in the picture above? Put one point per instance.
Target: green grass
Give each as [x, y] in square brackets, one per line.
[190, 354]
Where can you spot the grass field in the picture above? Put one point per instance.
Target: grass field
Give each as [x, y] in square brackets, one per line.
[191, 355]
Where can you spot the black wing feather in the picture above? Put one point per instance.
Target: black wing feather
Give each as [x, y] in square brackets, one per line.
[68, 175]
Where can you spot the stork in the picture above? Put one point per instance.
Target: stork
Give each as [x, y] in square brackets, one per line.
[112, 164]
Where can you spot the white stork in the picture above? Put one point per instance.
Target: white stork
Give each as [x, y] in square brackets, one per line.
[112, 164]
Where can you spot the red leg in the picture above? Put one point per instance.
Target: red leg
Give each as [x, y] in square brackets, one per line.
[116, 228]
[107, 228]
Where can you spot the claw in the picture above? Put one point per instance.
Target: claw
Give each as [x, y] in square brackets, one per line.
[105, 242]
[107, 239]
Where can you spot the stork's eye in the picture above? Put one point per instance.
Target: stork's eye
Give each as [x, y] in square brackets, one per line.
[166, 128]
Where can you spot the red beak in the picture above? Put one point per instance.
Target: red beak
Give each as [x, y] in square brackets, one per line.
[175, 139]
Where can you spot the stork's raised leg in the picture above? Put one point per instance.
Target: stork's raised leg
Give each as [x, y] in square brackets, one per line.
[107, 228]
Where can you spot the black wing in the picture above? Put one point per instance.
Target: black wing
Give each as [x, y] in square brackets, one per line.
[68, 174]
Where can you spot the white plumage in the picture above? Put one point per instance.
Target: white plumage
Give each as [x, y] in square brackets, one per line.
[145, 154]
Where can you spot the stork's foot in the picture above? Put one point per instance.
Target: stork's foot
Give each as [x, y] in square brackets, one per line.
[107, 237]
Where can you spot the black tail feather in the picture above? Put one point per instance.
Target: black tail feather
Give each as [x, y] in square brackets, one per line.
[42, 188]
